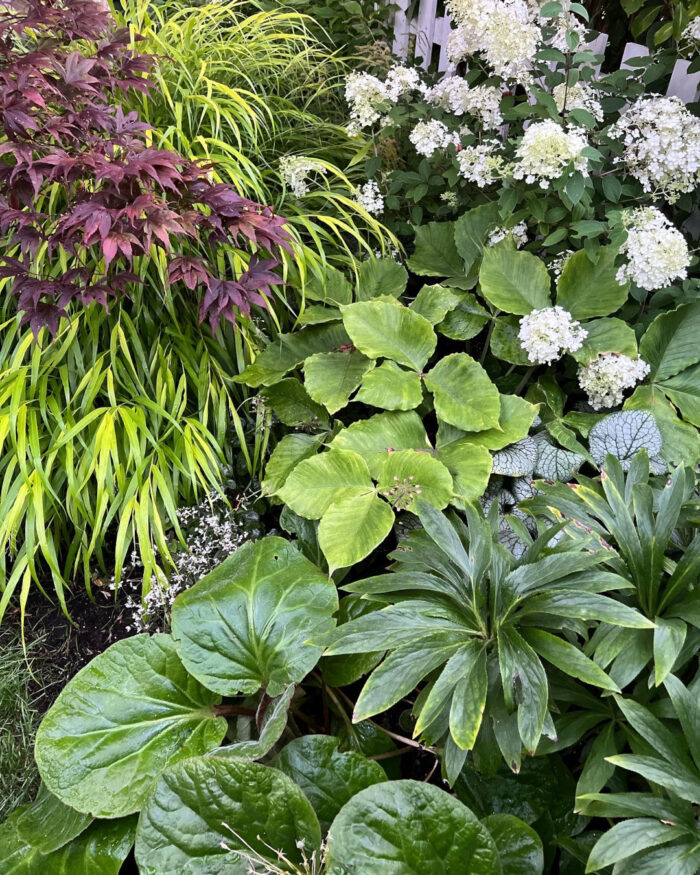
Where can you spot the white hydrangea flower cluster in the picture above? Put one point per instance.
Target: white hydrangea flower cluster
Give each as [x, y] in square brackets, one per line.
[296, 172]
[691, 35]
[450, 198]
[606, 378]
[506, 31]
[580, 95]
[456, 96]
[547, 334]
[429, 136]
[402, 80]
[481, 164]
[546, 150]
[370, 198]
[518, 232]
[364, 95]
[661, 145]
[657, 252]
[556, 265]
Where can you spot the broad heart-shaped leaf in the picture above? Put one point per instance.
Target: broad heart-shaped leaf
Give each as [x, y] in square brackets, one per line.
[352, 527]
[623, 435]
[519, 847]
[120, 721]
[292, 449]
[245, 625]
[408, 474]
[515, 282]
[472, 229]
[606, 335]
[463, 393]
[379, 435]
[47, 824]
[383, 329]
[435, 302]
[274, 721]
[684, 391]
[331, 377]
[515, 417]
[327, 777]
[381, 276]
[670, 343]
[409, 828]
[288, 351]
[435, 253]
[470, 466]
[321, 480]
[292, 404]
[517, 460]
[205, 809]
[98, 850]
[586, 289]
[391, 388]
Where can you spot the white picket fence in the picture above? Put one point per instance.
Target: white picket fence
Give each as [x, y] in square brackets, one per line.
[431, 32]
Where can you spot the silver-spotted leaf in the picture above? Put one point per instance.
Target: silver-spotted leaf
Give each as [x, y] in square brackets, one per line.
[517, 460]
[623, 435]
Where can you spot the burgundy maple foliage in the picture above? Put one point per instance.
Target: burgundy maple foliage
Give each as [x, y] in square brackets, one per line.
[63, 134]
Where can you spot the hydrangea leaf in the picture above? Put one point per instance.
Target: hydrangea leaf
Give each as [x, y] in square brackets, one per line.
[586, 289]
[554, 463]
[382, 433]
[317, 482]
[352, 527]
[292, 404]
[274, 721]
[517, 460]
[670, 343]
[412, 828]
[331, 377]
[515, 282]
[391, 388]
[463, 393]
[328, 777]
[381, 276]
[382, 329]
[408, 474]
[623, 435]
[120, 721]
[435, 253]
[206, 809]
[606, 335]
[434, 302]
[245, 625]
[519, 847]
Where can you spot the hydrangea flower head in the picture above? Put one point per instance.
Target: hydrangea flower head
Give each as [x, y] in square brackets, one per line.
[606, 378]
[657, 252]
[430, 136]
[546, 150]
[547, 334]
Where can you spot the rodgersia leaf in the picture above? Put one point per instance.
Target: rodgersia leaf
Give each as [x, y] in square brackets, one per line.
[623, 435]
[517, 460]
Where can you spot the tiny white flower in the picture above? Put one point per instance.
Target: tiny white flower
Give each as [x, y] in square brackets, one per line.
[580, 95]
[369, 197]
[297, 170]
[481, 164]
[518, 232]
[547, 334]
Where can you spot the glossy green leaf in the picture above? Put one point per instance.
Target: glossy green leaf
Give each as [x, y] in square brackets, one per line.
[435, 253]
[205, 809]
[381, 276]
[47, 824]
[519, 847]
[628, 838]
[352, 527]
[469, 703]
[515, 282]
[120, 721]
[408, 474]
[318, 482]
[669, 637]
[391, 388]
[272, 724]
[382, 329]
[464, 395]
[328, 777]
[245, 625]
[409, 827]
[331, 377]
[568, 658]
[523, 676]
[586, 289]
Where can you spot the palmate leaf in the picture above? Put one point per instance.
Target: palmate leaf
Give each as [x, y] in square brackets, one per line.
[245, 625]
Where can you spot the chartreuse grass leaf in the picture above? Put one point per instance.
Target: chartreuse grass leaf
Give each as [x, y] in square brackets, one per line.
[246, 624]
[409, 827]
[327, 776]
[119, 722]
[204, 810]
[352, 527]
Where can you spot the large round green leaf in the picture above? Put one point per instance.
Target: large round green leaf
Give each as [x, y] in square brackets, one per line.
[383, 329]
[515, 418]
[318, 482]
[245, 625]
[116, 725]
[470, 466]
[464, 395]
[98, 850]
[327, 777]
[670, 343]
[515, 282]
[292, 404]
[606, 335]
[382, 433]
[586, 289]
[48, 824]
[435, 253]
[519, 846]
[391, 388]
[409, 828]
[292, 449]
[381, 276]
[204, 809]
[408, 475]
[351, 528]
[331, 377]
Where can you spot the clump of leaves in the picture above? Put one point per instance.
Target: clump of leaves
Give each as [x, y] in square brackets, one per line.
[83, 194]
